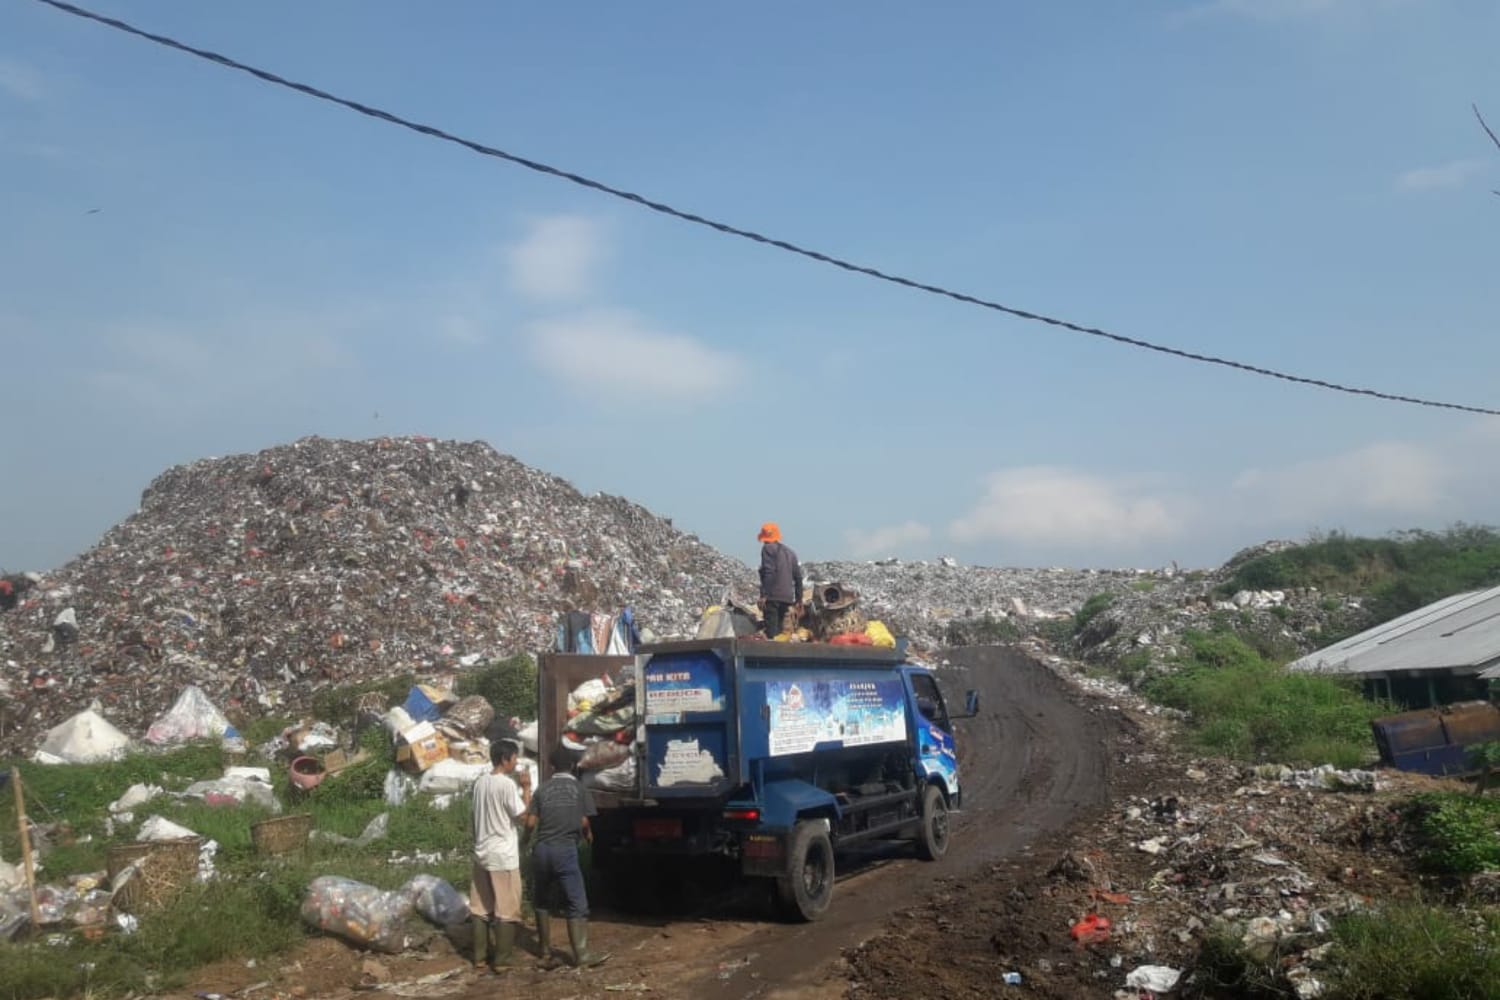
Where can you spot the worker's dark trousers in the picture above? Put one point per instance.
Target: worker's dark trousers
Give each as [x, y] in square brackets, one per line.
[554, 867]
[776, 617]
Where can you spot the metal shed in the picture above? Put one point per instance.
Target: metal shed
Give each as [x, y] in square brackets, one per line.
[1445, 651]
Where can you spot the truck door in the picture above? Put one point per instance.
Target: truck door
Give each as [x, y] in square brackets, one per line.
[937, 753]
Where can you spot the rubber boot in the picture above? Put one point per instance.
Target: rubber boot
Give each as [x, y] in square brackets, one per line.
[544, 939]
[578, 937]
[502, 944]
[481, 940]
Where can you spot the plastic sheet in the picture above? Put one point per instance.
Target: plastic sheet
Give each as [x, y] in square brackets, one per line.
[191, 717]
[620, 778]
[360, 914]
[585, 695]
[85, 738]
[233, 792]
[437, 900]
[397, 787]
[589, 724]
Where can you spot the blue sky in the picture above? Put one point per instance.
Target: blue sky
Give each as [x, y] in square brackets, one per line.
[1295, 183]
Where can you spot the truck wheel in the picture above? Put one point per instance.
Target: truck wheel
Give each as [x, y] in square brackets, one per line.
[806, 889]
[932, 841]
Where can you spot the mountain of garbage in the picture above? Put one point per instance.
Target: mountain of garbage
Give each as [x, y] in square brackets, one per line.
[263, 578]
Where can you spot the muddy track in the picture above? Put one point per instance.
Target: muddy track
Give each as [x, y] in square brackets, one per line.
[1034, 760]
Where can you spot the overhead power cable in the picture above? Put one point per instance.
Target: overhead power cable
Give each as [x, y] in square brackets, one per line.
[748, 234]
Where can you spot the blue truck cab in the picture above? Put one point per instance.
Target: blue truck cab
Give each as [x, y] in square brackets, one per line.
[773, 755]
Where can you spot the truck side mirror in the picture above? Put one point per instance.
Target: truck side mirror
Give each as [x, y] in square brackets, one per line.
[971, 705]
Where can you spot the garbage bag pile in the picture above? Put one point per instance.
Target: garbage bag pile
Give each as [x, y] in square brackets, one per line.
[378, 919]
[600, 729]
[260, 578]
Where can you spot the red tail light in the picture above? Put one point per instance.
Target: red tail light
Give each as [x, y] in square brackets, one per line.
[743, 815]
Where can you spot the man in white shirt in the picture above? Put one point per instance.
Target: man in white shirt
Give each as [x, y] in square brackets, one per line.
[495, 889]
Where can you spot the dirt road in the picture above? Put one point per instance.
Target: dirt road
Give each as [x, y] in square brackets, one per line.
[1033, 760]
[1036, 759]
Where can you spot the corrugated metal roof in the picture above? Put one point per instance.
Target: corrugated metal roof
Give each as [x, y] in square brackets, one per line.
[1459, 633]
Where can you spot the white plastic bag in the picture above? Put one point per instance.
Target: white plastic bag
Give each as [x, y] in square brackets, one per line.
[191, 717]
[449, 776]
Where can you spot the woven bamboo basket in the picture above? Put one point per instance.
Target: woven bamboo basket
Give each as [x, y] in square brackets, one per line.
[281, 835]
[163, 869]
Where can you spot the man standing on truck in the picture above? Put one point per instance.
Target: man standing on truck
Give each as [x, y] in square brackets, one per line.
[495, 888]
[780, 579]
[560, 813]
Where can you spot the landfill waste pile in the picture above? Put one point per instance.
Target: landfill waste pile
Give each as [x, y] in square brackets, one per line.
[262, 578]
[942, 603]
[1205, 853]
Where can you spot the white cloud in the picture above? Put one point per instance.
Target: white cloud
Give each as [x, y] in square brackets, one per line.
[1046, 505]
[556, 259]
[612, 353]
[1448, 175]
[1384, 478]
[20, 81]
[884, 541]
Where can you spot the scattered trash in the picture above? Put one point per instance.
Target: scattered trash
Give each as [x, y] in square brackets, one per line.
[157, 828]
[373, 831]
[1156, 978]
[1092, 929]
[1011, 979]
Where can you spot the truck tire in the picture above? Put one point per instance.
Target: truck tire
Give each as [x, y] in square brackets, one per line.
[806, 889]
[932, 839]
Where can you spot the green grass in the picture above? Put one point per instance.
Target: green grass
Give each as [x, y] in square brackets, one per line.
[253, 909]
[1459, 834]
[1092, 608]
[1407, 951]
[1244, 706]
[1399, 573]
[1417, 952]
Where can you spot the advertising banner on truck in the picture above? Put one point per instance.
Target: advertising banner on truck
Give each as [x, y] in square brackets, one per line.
[807, 714]
[679, 686]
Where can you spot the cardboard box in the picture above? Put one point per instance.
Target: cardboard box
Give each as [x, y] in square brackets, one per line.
[420, 747]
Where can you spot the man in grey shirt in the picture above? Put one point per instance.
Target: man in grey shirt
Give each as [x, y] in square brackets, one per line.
[559, 815]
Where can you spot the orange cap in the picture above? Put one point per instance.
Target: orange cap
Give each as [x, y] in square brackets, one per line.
[769, 532]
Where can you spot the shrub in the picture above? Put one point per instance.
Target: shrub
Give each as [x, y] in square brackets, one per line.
[1092, 608]
[1244, 706]
[509, 685]
[1460, 834]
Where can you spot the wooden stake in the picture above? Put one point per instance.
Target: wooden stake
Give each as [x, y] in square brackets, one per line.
[24, 828]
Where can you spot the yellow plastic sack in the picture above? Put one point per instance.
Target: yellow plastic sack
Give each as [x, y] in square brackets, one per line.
[879, 635]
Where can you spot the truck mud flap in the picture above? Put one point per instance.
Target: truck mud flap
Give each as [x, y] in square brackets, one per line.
[763, 854]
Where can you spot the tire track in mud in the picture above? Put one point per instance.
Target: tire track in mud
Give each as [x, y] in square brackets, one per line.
[1034, 760]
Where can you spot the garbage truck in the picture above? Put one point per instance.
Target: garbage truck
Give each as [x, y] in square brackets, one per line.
[770, 755]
